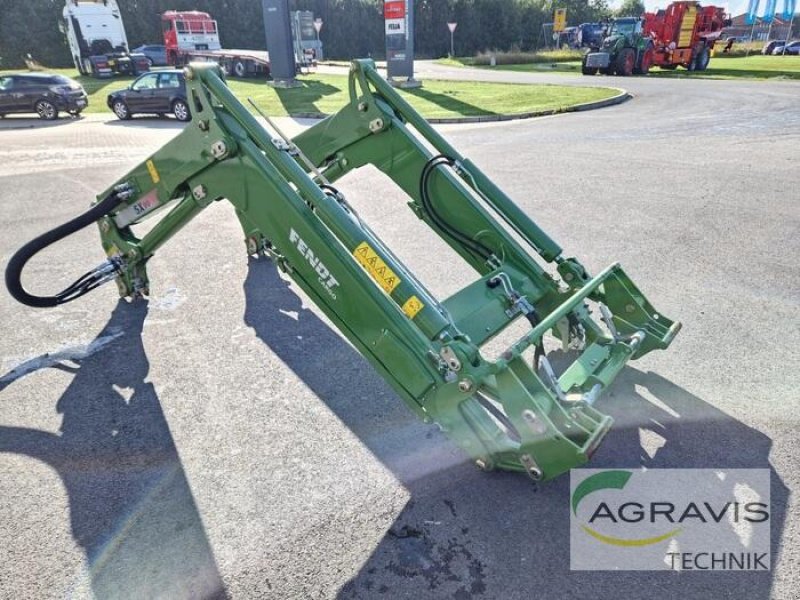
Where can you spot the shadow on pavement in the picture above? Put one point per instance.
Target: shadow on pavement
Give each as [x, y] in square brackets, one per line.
[149, 121]
[131, 507]
[28, 122]
[468, 534]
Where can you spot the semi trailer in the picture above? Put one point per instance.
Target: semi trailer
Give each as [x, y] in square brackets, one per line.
[194, 36]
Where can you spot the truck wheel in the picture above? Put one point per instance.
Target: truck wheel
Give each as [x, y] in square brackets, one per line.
[181, 111]
[701, 60]
[626, 59]
[239, 68]
[46, 110]
[588, 70]
[121, 110]
[645, 62]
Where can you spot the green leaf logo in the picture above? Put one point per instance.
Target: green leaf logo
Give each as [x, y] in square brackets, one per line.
[616, 480]
[599, 481]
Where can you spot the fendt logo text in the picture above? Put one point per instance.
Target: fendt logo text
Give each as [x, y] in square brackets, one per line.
[326, 280]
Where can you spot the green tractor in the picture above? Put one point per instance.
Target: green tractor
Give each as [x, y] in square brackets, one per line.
[624, 51]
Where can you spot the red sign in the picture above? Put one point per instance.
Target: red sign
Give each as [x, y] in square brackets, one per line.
[394, 9]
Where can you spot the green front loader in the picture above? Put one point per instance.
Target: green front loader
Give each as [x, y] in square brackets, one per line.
[511, 412]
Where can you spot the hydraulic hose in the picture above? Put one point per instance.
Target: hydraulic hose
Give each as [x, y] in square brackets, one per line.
[83, 284]
[474, 246]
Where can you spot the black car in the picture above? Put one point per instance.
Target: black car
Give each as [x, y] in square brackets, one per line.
[159, 92]
[41, 93]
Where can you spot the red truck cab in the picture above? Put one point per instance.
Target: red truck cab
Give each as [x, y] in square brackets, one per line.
[186, 31]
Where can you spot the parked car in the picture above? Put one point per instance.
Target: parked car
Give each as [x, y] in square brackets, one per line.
[42, 93]
[158, 93]
[770, 46]
[156, 54]
[792, 48]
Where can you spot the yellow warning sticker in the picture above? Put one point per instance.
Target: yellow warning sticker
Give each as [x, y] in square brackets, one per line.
[380, 272]
[151, 167]
[412, 306]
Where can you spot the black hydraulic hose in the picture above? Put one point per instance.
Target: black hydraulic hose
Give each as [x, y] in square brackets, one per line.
[538, 352]
[24, 254]
[484, 252]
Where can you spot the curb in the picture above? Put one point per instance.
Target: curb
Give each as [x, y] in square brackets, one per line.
[622, 96]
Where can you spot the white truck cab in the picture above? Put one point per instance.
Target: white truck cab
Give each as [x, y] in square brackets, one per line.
[97, 39]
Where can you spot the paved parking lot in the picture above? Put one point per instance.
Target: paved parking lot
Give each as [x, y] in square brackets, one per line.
[223, 440]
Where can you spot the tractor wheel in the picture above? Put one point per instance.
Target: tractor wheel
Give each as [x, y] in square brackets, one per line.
[588, 70]
[701, 60]
[626, 59]
[644, 62]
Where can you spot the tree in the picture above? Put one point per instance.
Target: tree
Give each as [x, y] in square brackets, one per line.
[630, 8]
[353, 28]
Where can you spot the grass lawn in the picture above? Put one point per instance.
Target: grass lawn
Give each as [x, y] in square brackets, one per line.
[755, 66]
[328, 93]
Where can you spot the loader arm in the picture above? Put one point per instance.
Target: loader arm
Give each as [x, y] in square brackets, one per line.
[511, 413]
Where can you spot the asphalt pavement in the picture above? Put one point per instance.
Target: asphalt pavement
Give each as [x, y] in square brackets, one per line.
[223, 440]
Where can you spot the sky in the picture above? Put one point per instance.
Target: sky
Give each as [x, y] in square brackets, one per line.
[735, 7]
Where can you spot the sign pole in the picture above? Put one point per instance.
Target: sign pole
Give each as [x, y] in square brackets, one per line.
[788, 35]
[318, 27]
[452, 28]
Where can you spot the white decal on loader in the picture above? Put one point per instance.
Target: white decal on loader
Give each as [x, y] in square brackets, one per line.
[327, 280]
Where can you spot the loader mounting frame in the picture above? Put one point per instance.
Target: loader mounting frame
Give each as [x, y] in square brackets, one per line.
[512, 413]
